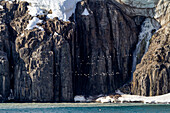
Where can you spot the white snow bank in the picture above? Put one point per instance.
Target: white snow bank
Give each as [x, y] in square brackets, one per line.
[1, 7]
[135, 98]
[85, 12]
[22, 34]
[33, 23]
[55, 34]
[119, 92]
[62, 9]
[154, 99]
[79, 98]
[10, 1]
[106, 99]
[34, 11]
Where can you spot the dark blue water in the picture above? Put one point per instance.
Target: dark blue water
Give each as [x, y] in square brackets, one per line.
[86, 108]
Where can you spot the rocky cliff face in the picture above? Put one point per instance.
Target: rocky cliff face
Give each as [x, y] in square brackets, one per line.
[4, 63]
[104, 45]
[7, 48]
[152, 74]
[90, 55]
[44, 66]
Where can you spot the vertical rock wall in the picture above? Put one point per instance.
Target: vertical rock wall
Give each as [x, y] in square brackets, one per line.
[103, 47]
[152, 75]
[91, 55]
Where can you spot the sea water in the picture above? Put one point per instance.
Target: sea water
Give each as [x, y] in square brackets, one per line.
[83, 108]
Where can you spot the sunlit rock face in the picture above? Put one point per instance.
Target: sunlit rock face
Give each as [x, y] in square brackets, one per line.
[162, 12]
[151, 76]
[140, 3]
[158, 9]
[148, 28]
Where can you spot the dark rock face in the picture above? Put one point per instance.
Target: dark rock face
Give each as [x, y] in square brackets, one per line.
[91, 55]
[4, 76]
[44, 66]
[103, 47]
[152, 74]
[4, 63]
[63, 70]
[88, 57]
[7, 14]
[34, 67]
[63, 35]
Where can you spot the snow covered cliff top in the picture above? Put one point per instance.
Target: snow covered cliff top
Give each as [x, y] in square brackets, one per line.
[62, 9]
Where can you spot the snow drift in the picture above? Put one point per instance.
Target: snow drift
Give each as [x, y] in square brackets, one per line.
[62, 9]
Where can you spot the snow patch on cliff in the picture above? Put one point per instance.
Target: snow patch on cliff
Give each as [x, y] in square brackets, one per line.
[34, 11]
[62, 9]
[10, 1]
[33, 23]
[85, 12]
[79, 98]
[1, 7]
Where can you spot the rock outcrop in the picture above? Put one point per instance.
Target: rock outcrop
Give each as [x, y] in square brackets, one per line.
[89, 55]
[7, 38]
[162, 12]
[44, 65]
[34, 67]
[4, 64]
[104, 43]
[139, 3]
[152, 74]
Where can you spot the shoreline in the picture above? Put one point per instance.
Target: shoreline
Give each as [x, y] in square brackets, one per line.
[83, 108]
[62, 105]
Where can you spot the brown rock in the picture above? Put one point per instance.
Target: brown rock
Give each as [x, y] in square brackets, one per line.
[4, 63]
[34, 67]
[103, 51]
[152, 74]
[4, 76]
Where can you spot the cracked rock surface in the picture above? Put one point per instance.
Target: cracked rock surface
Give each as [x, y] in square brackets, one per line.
[89, 55]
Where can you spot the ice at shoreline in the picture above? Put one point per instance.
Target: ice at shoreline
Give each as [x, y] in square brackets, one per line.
[154, 99]
[162, 99]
